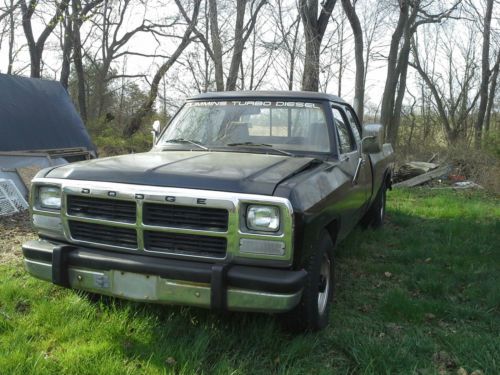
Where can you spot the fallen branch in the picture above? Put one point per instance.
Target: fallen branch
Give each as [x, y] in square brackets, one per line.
[423, 178]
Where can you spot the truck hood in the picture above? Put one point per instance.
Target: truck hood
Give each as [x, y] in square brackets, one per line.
[223, 171]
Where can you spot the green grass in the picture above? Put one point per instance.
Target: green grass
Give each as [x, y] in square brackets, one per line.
[420, 296]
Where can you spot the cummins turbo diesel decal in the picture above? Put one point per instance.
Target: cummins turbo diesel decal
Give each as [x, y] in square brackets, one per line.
[253, 103]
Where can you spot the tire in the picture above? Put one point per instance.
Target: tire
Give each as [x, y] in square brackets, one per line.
[312, 312]
[376, 214]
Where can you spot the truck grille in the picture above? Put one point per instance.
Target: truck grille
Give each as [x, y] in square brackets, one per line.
[185, 216]
[99, 208]
[185, 244]
[126, 230]
[103, 234]
[163, 221]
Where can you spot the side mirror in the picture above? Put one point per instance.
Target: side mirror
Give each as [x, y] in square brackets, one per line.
[156, 130]
[373, 138]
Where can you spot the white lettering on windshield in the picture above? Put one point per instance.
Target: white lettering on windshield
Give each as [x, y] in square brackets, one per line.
[205, 104]
[296, 104]
[254, 103]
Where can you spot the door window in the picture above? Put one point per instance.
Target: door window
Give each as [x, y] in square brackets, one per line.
[354, 125]
[346, 141]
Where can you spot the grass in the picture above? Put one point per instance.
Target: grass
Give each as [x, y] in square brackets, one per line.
[420, 296]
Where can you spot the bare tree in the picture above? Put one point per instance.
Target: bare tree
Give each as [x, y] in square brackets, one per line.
[335, 56]
[10, 12]
[147, 106]
[485, 74]
[113, 27]
[412, 14]
[287, 42]
[37, 46]
[254, 70]
[314, 30]
[71, 25]
[66, 47]
[79, 14]
[492, 93]
[453, 87]
[359, 82]
[242, 32]
[239, 42]
[342, 58]
[373, 15]
[216, 50]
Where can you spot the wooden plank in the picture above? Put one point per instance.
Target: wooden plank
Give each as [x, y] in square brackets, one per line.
[423, 178]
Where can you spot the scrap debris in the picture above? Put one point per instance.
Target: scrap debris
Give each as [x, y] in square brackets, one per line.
[446, 176]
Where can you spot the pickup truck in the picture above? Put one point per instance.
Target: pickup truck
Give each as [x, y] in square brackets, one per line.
[239, 205]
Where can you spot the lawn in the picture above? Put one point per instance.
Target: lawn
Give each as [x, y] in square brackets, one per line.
[420, 296]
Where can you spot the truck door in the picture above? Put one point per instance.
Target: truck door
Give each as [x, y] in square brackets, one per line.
[364, 179]
[354, 195]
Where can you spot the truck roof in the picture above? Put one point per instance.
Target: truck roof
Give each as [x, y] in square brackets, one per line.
[294, 95]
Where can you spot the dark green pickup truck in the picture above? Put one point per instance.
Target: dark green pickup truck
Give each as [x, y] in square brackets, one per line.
[238, 206]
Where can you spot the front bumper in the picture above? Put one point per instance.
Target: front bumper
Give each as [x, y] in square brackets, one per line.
[169, 281]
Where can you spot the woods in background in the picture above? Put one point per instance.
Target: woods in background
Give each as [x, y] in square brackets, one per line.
[427, 69]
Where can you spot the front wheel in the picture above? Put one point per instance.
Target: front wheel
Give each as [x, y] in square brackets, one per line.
[313, 310]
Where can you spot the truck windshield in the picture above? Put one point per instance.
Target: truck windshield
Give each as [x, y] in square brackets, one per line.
[284, 125]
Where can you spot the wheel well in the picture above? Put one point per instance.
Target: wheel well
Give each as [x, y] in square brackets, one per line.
[333, 229]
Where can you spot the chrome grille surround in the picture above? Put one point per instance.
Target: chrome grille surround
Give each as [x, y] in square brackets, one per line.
[234, 203]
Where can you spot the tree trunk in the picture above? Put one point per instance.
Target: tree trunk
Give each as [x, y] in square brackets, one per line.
[206, 55]
[401, 70]
[388, 97]
[485, 75]
[341, 59]
[252, 62]
[491, 100]
[359, 88]
[310, 78]
[78, 60]
[67, 48]
[36, 47]
[398, 104]
[100, 89]
[11, 38]
[314, 30]
[293, 52]
[216, 45]
[238, 46]
[30, 39]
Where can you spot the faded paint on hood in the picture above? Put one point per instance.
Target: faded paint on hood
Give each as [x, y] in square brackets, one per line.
[224, 171]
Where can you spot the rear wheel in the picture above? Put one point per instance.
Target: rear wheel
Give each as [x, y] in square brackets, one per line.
[376, 214]
[313, 310]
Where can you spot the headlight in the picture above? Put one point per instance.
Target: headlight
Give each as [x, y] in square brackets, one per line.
[263, 218]
[49, 197]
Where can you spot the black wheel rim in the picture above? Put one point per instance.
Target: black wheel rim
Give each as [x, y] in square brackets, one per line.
[324, 284]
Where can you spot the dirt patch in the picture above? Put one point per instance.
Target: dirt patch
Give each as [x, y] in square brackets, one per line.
[14, 231]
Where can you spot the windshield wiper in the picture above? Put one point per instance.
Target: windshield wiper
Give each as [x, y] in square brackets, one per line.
[260, 145]
[182, 140]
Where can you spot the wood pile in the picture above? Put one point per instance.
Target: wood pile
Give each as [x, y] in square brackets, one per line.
[425, 177]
